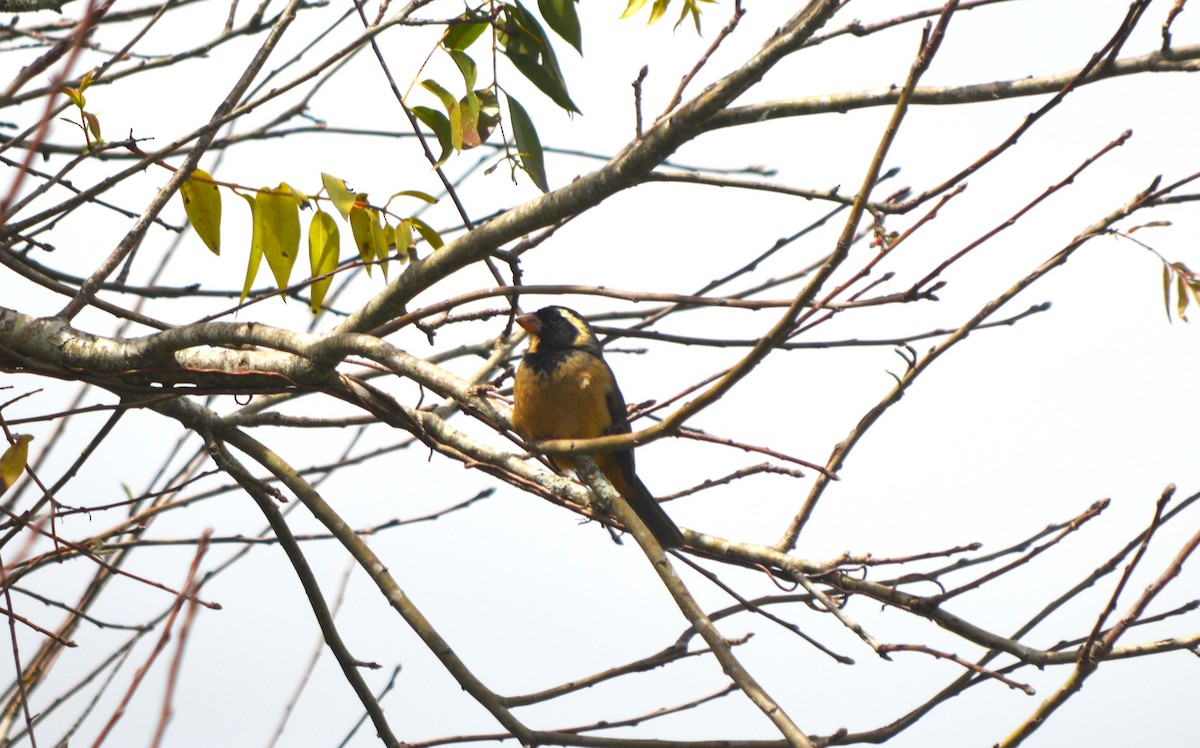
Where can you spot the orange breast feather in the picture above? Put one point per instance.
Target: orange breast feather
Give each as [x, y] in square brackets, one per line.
[566, 403]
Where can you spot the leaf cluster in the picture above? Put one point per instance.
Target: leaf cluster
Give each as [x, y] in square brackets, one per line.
[466, 122]
[88, 122]
[378, 235]
[463, 122]
[1186, 285]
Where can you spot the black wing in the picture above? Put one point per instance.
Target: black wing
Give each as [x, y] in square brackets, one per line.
[620, 425]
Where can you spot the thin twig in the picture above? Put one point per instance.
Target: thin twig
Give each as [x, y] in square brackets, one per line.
[161, 644]
[1028, 689]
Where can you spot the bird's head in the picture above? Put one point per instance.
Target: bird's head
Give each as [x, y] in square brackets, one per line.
[555, 328]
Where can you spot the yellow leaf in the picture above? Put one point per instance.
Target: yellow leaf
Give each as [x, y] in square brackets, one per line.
[93, 126]
[633, 7]
[415, 193]
[431, 237]
[360, 227]
[279, 218]
[486, 120]
[256, 248]
[1167, 289]
[1181, 303]
[324, 243]
[339, 194]
[385, 241]
[656, 12]
[453, 110]
[202, 203]
[77, 98]
[300, 198]
[12, 462]
[404, 241]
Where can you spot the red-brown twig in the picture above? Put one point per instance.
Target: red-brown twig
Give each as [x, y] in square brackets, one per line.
[738, 12]
[16, 652]
[180, 598]
[1069, 179]
[1093, 64]
[1091, 513]
[191, 585]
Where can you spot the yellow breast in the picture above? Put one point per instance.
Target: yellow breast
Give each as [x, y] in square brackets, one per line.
[569, 402]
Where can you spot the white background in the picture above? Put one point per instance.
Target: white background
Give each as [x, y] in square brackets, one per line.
[1017, 428]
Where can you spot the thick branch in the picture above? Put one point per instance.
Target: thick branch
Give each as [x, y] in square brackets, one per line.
[690, 608]
[1179, 60]
[626, 169]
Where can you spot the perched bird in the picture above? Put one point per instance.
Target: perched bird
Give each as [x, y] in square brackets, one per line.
[565, 390]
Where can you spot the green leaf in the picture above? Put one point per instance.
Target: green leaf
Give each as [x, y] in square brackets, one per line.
[453, 111]
[202, 203]
[469, 104]
[279, 216]
[431, 237]
[463, 32]
[437, 122]
[527, 47]
[529, 145]
[339, 194]
[466, 66]
[324, 244]
[546, 78]
[560, 15]
[12, 462]
[256, 248]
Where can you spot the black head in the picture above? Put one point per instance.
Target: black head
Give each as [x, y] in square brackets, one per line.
[555, 328]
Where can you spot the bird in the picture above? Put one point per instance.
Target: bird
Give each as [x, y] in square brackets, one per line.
[564, 389]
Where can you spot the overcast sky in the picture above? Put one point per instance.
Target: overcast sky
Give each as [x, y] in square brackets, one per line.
[1019, 427]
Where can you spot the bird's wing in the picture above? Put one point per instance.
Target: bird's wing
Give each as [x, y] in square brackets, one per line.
[620, 425]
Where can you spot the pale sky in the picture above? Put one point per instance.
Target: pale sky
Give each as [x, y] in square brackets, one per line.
[1017, 428]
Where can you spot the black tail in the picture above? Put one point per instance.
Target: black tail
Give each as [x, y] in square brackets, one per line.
[656, 519]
